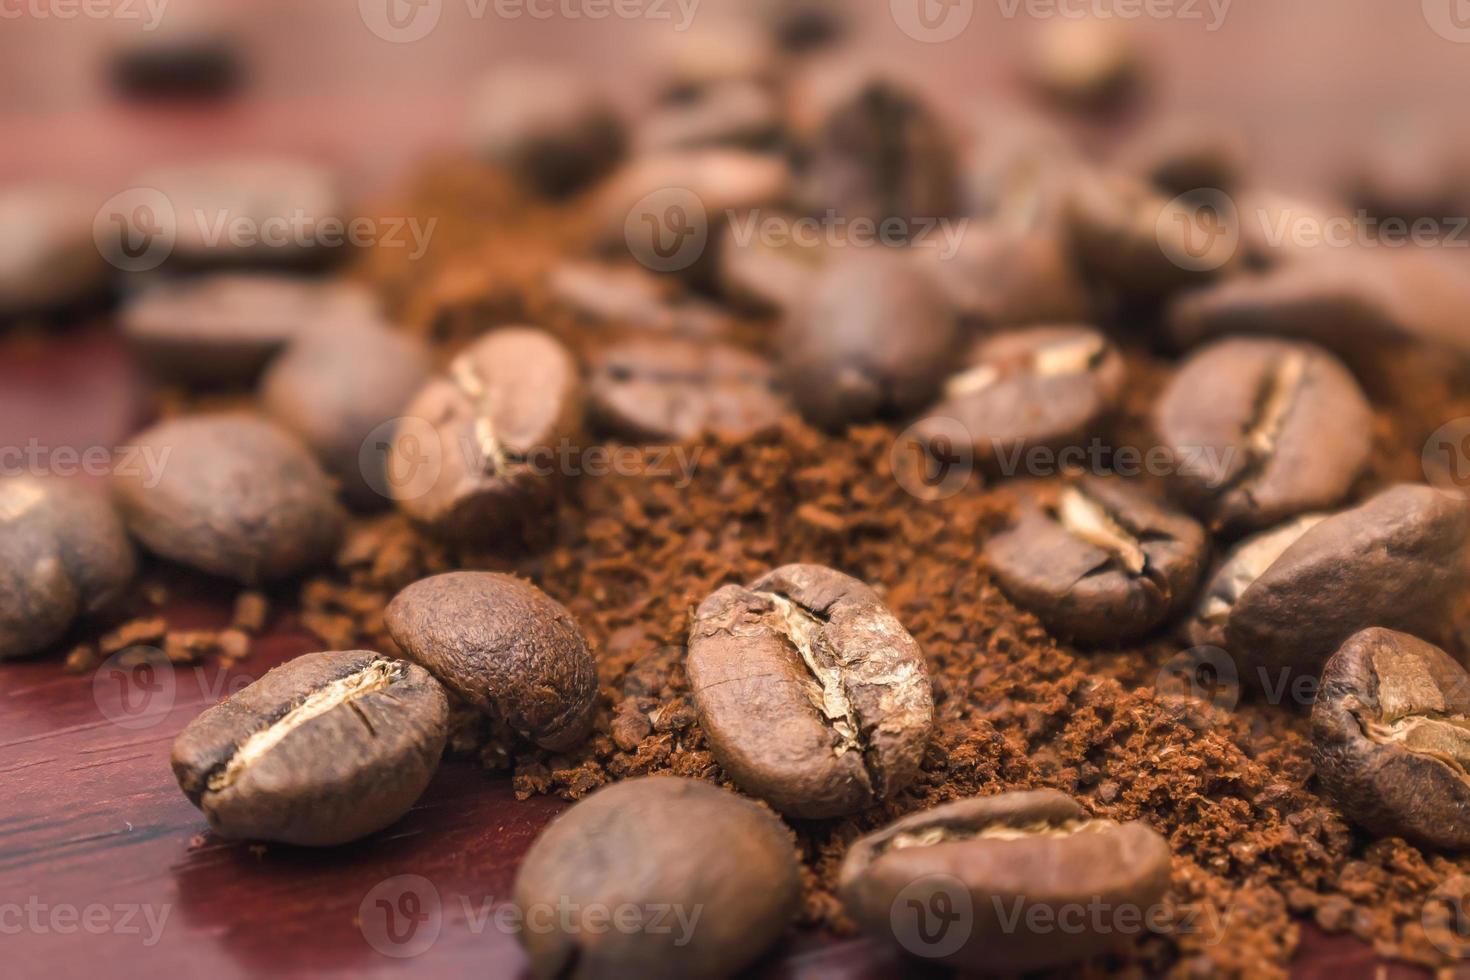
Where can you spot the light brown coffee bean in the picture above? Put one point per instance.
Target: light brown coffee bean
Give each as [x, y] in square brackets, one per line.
[627, 296]
[1000, 277]
[50, 260]
[812, 695]
[322, 750]
[1262, 430]
[1085, 63]
[503, 646]
[237, 496]
[1015, 875]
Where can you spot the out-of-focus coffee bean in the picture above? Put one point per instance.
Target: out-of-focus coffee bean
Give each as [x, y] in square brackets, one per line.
[552, 129]
[224, 328]
[48, 259]
[1411, 168]
[1182, 156]
[237, 496]
[804, 26]
[628, 296]
[874, 337]
[1262, 430]
[1003, 277]
[666, 390]
[499, 416]
[720, 46]
[765, 268]
[1096, 559]
[663, 845]
[183, 64]
[1085, 63]
[1017, 169]
[735, 113]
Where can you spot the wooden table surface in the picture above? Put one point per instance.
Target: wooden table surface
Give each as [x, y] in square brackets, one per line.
[104, 866]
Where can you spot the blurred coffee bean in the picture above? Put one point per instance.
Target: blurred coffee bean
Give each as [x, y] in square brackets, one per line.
[1185, 155]
[1391, 734]
[322, 750]
[1003, 277]
[237, 496]
[734, 113]
[503, 646]
[494, 424]
[628, 296]
[224, 328]
[873, 338]
[335, 385]
[177, 65]
[1411, 168]
[669, 848]
[718, 46]
[871, 148]
[1015, 874]
[551, 128]
[768, 273]
[1043, 387]
[811, 694]
[667, 390]
[1097, 560]
[1017, 169]
[804, 26]
[1085, 63]
[1261, 430]
[63, 553]
[1397, 561]
[48, 259]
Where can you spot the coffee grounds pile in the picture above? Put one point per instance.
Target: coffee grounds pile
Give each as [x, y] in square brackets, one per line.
[1256, 848]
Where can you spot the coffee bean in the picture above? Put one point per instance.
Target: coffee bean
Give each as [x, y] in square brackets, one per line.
[50, 261]
[1411, 169]
[662, 390]
[236, 496]
[627, 296]
[336, 385]
[181, 64]
[1186, 155]
[1262, 430]
[322, 750]
[1086, 63]
[1003, 277]
[63, 554]
[1096, 559]
[703, 882]
[1044, 387]
[1014, 874]
[767, 274]
[874, 338]
[224, 328]
[506, 406]
[714, 51]
[550, 128]
[1391, 734]
[505, 647]
[871, 148]
[740, 113]
[804, 26]
[1018, 168]
[812, 695]
[1283, 601]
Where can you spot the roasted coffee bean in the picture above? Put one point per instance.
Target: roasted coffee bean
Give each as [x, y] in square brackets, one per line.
[812, 695]
[550, 128]
[1044, 387]
[1018, 168]
[50, 260]
[740, 113]
[322, 750]
[874, 338]
[1085, 63]
[505, 647]
[1391, 734]
[1284, 600]
[665, 390]
[628, 296]
[1003, 277]
[702, 883]
[804, 26]
[1096, 559]
[63, 554]
[1262, 430]
[336, 385]
[1183, 156]
[181, 64]
[1027, 871]
[501, 413]
[236, 496]
[1411, 169]
[767, 274]
[224, 328]
[714, 51]
[871, 148]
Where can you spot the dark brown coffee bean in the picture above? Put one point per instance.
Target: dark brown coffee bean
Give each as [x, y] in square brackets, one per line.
[1046, 387]
[701, 882]
[180, 64]
[739, 113]
[1085, 63]
[1027, 879]
[1000, 277]
[804, 26]
[63, 553]
[871, 148]
[812, 695]
[1018, 169]
[497, 419]
[631, 297]
[237, 496]
[224, 328]
[1262, 430]
[1391, 733]
[1398, 561]
[1237, 571]
[322, 750]
[337, 386]
[1096, 559]
[874, 338]
[1186, 155]
[504, 646]
[768, 275]
[550, 128]
[679, 391]
[50, 260]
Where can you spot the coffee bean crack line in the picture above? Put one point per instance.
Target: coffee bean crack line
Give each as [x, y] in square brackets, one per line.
[495, 457]
[1077, 356]
[931, 836]
[1277, 396]
[1088, 520]
[1406, 733]
[805, 631]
